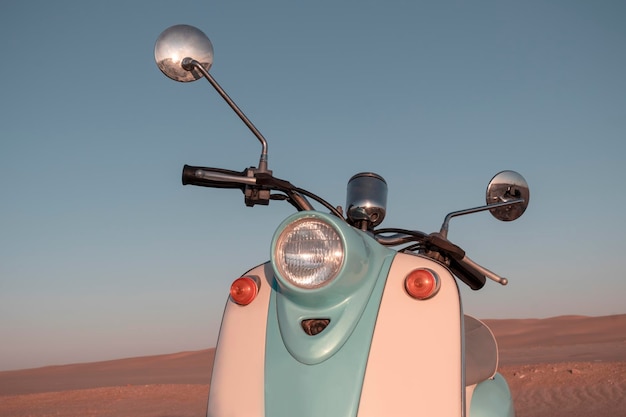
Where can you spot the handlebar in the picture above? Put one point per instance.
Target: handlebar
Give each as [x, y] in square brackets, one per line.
[255, 185]
[463, 267]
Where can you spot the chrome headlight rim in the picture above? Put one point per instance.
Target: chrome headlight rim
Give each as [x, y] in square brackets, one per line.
[320, 273]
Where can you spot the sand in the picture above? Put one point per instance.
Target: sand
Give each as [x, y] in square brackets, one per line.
[563, 366]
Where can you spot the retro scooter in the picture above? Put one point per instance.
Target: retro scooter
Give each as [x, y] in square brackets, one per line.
[337, 323]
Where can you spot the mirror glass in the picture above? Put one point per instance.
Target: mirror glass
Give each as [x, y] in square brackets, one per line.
[177, 43]
[508, 186]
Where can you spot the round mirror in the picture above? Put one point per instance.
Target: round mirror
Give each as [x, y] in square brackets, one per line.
[177, 43]
[508, 186]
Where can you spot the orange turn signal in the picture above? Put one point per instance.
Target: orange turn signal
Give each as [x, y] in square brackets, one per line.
[243, 290]
[421, 284]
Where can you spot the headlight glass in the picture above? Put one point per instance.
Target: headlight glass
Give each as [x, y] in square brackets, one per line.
[309, 253]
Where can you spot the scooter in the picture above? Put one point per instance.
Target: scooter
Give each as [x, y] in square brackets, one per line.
[337, 322]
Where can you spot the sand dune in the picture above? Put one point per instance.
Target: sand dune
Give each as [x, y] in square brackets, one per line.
[561, 339]
[178, 368]
[563, 366]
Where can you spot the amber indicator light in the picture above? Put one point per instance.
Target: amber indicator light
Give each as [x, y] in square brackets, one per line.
[421, 284]
[243, 290]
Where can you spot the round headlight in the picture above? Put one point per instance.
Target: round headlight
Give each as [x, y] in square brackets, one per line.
[309, 253]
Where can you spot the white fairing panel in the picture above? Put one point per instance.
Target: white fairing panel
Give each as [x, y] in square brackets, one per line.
[415, 361]
[237, 382]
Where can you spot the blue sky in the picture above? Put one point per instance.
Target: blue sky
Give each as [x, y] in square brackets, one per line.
[103, 254]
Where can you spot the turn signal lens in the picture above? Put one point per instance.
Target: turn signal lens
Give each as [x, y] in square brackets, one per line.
[421, 284]
[243, 290]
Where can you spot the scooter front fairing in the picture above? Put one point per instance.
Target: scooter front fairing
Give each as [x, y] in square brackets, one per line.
[382, 353]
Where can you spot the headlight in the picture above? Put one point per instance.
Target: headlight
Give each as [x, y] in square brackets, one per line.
[309, 253]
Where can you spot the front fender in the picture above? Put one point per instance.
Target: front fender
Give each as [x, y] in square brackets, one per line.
[492, 398]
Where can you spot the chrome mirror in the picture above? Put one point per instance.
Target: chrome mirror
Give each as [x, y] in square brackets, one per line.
[177, 43]
[507, 199]
[504, 187]
[184, 53]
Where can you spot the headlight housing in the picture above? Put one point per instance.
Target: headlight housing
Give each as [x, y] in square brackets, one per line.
[309, 253]
[324, 271]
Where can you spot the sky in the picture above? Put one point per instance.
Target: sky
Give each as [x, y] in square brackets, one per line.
[104, 254]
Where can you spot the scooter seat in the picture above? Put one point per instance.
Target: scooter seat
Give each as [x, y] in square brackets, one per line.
[481, 351]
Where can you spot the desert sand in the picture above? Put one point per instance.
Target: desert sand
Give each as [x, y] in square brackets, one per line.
[563, 366]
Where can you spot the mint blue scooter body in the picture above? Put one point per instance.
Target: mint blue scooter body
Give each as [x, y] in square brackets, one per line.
[383, 353]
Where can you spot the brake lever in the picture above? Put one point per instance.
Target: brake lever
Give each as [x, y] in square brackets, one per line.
[489, 274]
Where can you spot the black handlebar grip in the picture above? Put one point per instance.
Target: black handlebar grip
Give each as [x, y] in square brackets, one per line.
[193, 175]
[474, 279]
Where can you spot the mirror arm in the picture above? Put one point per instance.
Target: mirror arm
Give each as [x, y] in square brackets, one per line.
[189, 64]
[446, 221]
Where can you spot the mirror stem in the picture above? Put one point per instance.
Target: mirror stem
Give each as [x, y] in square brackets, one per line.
[446, 221]
[189, 64]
